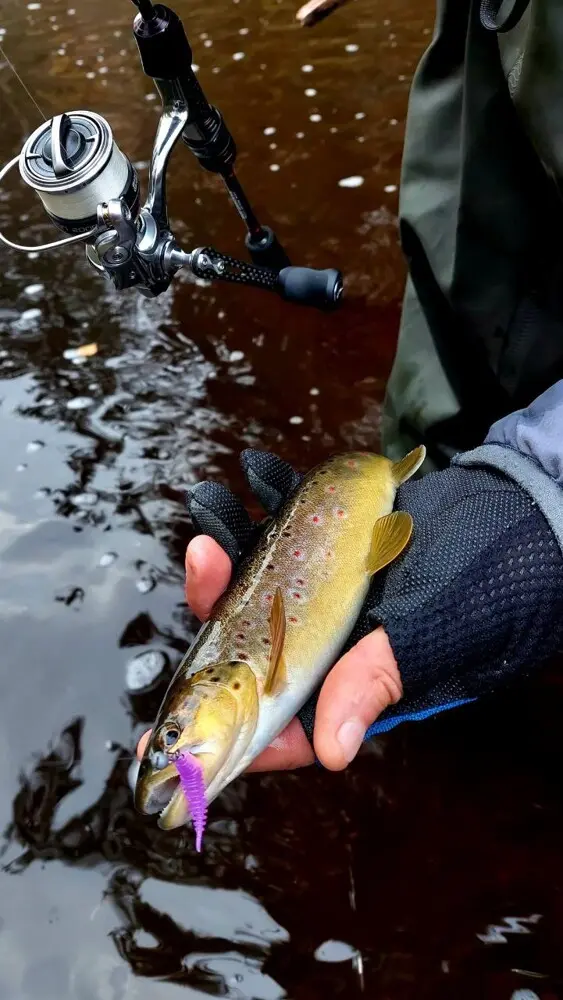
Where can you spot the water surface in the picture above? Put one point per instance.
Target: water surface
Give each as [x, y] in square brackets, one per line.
[432, 869]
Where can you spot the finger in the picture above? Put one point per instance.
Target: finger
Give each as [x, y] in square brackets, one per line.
[208, 571]
[358, 688]
[289, 750]
[142, 744]
[217, 512]
[270, 478]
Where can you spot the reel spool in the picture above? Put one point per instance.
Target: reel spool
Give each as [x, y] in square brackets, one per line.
[73, 164]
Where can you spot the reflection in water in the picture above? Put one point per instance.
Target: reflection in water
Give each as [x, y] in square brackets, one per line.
[388, 881]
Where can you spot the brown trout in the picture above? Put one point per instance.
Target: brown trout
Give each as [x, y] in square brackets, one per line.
[276, 631]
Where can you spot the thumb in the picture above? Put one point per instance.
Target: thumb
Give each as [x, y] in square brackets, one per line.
[359, 687]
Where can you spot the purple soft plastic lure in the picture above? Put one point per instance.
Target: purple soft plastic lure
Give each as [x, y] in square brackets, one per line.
[191, 781]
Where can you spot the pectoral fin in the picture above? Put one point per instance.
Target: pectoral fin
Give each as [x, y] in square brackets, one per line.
[408, 465]
[276, 671]
[390, 536]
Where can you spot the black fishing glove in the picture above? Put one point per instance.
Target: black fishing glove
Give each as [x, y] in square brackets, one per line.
[475, 600]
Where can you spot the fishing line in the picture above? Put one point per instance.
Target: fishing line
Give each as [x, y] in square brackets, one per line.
[18, 77]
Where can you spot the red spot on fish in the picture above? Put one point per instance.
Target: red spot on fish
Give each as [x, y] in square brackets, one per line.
[300, 583]
[269, 597]
[298, 553]
[316, 519]
[339, 512]
[351, 463]
[331, 489]
[296, 595]
[241, 635]
[292, 618]
[241, 656]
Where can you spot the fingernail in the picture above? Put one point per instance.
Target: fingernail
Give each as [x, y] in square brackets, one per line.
[350, 736]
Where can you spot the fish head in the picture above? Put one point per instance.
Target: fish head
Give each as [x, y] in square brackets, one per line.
[210, 715]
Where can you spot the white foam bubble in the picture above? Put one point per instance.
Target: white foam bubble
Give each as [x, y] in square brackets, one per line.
[30, 315]
[310, 92]
[315, 118]
[296, 420]
[107, 559]
[335, 951]
[237, 56]
[352, 47]
[33, 290]
[274, 167]
[79, 403]
[307, 68]
[270, 130]
[389, 188]
[351, 182]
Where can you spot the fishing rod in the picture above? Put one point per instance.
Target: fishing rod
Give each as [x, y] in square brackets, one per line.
[90, 189]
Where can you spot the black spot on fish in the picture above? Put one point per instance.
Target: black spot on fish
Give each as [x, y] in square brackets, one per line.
[236, 685]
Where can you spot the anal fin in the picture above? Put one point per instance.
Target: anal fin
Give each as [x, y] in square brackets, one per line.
[276, 677]
[391, 534]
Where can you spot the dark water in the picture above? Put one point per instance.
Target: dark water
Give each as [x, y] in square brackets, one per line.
[388, 881]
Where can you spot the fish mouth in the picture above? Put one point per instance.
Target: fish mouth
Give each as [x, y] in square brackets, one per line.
[161, 793]
[176, 812]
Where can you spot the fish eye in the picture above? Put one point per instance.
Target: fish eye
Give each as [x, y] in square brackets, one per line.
[171, 736]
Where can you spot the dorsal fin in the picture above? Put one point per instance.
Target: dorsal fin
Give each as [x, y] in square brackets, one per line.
[276, 670]
[403, 470]
[390, 536]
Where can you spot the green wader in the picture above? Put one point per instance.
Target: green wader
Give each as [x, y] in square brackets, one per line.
[481, 222]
